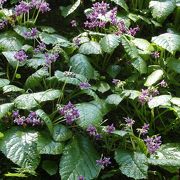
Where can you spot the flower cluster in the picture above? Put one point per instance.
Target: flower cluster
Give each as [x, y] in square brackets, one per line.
[133, 31]
[22, 8]
[73, 23]
[2, 2]
[84, 85]
[144, 129]
[70, 113]
[153, 143]
[32, 119]
[147, 94]
[103, 162]
[20, 56]
[31, 34]
[50, 58]
[93, 132]
[3, 23]
[163, 84]
[41, 47]
[110, 128]
[81, 178]
[129, 121]
[41, 5]
[155, 54]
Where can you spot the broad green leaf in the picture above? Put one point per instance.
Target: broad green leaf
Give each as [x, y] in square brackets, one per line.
[109, 42]
[121, 3]
[36, 61]
[51, 167]
[65, 11]
[4, 82]
[1, 135]
[89, 114]
[173, 64]
[120, 133]
[10, 42]
[131, 94]
[5, 108]
[12, 88]
[142, 44]
[20, 148]
[114, 99]
[132, 164]
[46, 145]
[168, 155]
[168, 41]
[54, 39]
[90, 48]
[159, 101]
[9, 55]
[140, 65]
[32, 100]
[81, 65]
[113, 70]
[176, 101]
[35, 79]
[102, 87]
[61, 133]
[79, 159]
[21, 30]
[75, 79]
[46, 119]
[154, 77]
[161, 9]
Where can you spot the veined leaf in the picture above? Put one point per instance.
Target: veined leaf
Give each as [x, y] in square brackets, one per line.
[5, 108]
[20, 148]
[114, 99]
[121, 3]
[173, 64]
[12, 88]
[162, 8]
[168, 41]
[176, 101]
[51, 167]
[4, 82]
[132, 164]
[79, 159]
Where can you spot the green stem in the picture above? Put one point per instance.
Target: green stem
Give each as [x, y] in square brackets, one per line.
[14, 75]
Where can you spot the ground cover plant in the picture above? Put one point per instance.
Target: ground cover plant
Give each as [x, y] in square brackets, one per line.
[90, 89]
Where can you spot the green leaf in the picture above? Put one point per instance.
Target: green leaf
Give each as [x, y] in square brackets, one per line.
[76, 79]
[176, 101]
[1, 135]
[132, 164]
[51, 167]
[142, 44]
[131, 94]
[61, 133]
[90, 48]
[173, 64]
[140, 65]
[168, 41]
[9, 41]
[35, 79]
[81, 65]
[168, 155]
[89, 114]
[154, 77]
[32, 100]
[54, 39]
[161, 9]
[113, 70]
[121, 3]
[46, 145]
[20, 148]
[159, 101]
[102, 87]
[109, 42]
[9, 55]
[46, 119]
[21, 30]
[5, 108]
[12, 88]
[65, 11]
[114, 99]
[79, 159]
[4, 82]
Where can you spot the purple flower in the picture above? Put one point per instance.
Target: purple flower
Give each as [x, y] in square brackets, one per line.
[113, 15]
[15, 114]
[155, 54]
[70, 113]
[163, 83]
[81, 178]
[144, 129]
[144, 96]
[153, 143]
[20, 56]
[110, 129]
[22, 8]
[50, 58]
[133, 31]
[40, 47]
[77, 41]
[84, 85]
[3, 23]
[92, 130]
[2, 2]
[103, 162]
[129, 121]
[31, 34]
[20, 121]
[73, 23]
[43, 7]
[98, 136]
[115, 81]
[121, 27]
